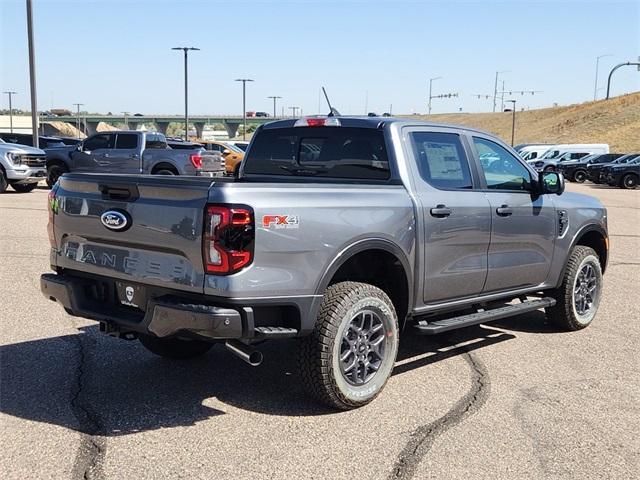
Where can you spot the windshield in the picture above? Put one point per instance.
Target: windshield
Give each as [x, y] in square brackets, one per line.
[551, 154]
[325, 152]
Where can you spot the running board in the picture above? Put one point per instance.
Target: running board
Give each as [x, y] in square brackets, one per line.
[440, 326]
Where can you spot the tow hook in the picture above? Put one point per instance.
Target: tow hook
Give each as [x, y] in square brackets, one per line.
[245, 352]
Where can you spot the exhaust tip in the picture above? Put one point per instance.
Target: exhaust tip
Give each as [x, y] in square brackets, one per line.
[255, 358]
[245, 352]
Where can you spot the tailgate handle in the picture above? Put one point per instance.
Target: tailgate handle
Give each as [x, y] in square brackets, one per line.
[119, 192]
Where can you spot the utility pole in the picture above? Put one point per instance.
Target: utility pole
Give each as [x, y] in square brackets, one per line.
[502, 98]
[244, 105]
[126, 120]
[513, 121]
[430, 90]
[595, 88]
[78, 117]
[32, 77]
[274, 104]
[10, 110]
[495, 89]
[186, 89]
[294, 109]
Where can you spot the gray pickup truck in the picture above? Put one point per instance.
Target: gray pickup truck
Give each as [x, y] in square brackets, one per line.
[130, 152]
[21, 166]
[343, 232]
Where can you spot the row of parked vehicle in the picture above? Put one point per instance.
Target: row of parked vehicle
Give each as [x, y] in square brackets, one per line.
[126, 152]
[581, 162]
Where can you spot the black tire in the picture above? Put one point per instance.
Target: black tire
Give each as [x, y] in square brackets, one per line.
[236, 170]
[54, 172]
[629, 181]
[24, 187]
[175, 347]
[580, 176]
[566, 312]
[371, 349]
[3, 181]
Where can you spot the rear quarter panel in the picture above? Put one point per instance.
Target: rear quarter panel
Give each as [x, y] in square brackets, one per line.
[322, 222]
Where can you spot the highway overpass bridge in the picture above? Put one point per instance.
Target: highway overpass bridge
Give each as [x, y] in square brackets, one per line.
[89, 123]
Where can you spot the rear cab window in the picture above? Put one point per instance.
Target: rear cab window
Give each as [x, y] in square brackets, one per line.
[348, 153]
[126, 141]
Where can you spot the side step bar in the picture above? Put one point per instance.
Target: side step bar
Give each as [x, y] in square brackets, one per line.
[275, 332]
[440, 326]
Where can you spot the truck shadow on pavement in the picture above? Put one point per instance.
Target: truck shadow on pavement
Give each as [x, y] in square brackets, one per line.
[99, 385]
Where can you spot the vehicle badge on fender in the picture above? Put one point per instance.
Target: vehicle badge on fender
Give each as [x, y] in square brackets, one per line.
[115, 220]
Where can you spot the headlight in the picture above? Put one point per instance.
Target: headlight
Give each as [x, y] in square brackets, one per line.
[15, 158]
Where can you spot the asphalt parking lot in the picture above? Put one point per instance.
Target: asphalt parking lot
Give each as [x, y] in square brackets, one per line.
[511, 399]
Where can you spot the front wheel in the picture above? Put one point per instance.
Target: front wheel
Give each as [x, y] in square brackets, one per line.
[24, 187]
[175, 347]
[54, 172]
[629, 181]
[578, 297]
[347, 360]
[3, 181]
[580, 176]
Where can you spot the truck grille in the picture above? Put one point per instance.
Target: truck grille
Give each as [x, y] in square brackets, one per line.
[33, 160]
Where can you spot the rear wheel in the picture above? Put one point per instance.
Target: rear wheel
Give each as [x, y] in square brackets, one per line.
[24, 187]
[580, 176]
[629, 181]
[175, 347]
[54, 172]
[578, 298]
[347, 360]
[165, 171]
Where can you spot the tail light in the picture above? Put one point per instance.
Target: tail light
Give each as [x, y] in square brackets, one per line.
[228, 238]
[196, 160]
[317, 122]
[52, 207]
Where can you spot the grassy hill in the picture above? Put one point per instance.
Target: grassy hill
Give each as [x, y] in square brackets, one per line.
[615, 121]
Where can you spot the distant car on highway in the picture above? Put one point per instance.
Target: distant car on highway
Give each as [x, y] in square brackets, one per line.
[262, 114]
[127, 151]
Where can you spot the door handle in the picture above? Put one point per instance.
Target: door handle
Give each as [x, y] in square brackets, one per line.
[133, 155]
[504, 211]
[440, 211]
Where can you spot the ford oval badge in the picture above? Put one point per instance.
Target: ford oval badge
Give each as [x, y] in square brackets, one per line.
[115, 220]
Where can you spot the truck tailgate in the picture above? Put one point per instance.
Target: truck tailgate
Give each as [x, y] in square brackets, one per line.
[160, 242]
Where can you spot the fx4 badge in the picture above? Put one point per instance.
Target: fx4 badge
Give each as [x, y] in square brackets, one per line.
[280, 221]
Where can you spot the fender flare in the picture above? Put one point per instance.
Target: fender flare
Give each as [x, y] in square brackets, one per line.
[164, 162]
[360, 246]
[591, 227]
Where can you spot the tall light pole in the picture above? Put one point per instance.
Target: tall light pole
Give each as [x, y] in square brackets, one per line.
[513, 121]
[186, 88]
[495, 89]
[274, 104]
[244, 105]
[595, 88]
[32, 77]
[294, 109]
[10, 110]
[78, 117]
[430, 90]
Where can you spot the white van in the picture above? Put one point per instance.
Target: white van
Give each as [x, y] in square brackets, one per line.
[566, 151]
[531, 152]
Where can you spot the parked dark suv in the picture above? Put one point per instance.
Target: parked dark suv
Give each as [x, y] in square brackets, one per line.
[597, 172]
[626, 175]
[576, 170]
[27, 139]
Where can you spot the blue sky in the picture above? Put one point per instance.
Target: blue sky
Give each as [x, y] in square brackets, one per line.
[115, 55]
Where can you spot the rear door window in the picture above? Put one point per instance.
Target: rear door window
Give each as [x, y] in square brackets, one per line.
[325, 152]
[441, 159]
[99, 141]
[127, 141]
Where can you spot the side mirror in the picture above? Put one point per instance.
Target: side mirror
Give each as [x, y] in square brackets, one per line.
[79, 147]
[551, 182]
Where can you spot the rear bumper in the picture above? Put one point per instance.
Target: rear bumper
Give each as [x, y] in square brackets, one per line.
[169, 313]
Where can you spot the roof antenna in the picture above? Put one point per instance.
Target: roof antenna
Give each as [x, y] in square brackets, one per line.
[332, 111]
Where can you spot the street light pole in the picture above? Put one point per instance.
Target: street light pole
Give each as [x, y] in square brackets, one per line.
[244, 105]
[513, 121]
[274, 104]
[430, 89]
[78, 117]
[595, 88]
[186, 88]
[32, 77]
[10, 110]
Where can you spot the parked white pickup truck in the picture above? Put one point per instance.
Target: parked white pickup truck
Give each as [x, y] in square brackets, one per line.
[21, 166]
